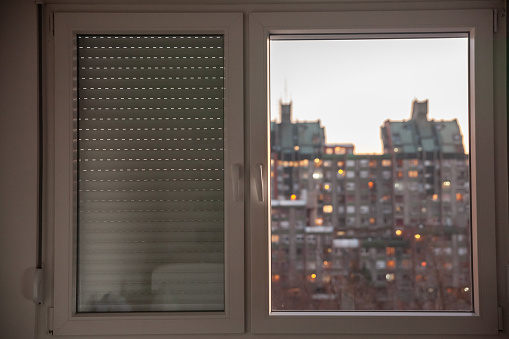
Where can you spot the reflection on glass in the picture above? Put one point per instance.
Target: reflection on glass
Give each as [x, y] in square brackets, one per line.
[369, 230]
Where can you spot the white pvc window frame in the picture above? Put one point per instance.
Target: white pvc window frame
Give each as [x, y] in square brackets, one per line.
[479, 26]
[65, 320]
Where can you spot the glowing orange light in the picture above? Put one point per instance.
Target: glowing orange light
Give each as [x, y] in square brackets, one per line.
[417, 236]
[293, 197]
[327, 209]
[370, 184]
[326, 187]
[399, 232]
[423, 264]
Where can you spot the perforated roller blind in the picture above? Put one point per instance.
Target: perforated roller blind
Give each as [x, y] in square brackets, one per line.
[150, 173]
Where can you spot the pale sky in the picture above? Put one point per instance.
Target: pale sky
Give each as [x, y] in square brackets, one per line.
[353, 86]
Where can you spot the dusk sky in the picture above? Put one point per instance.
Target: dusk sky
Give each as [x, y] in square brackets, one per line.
[353, 86]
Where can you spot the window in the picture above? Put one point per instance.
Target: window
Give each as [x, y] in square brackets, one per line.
[263, 27]
[149, 169]
[332, 242]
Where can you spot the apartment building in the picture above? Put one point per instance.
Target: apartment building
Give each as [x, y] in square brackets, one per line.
[394, 226]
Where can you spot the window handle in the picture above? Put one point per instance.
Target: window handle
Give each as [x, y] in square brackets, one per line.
[236, 177]
[259, 181]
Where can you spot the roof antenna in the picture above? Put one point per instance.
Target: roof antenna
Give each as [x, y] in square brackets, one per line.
[285, 94]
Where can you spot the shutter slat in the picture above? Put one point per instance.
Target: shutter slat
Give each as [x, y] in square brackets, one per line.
[157, 134]
[168, 195]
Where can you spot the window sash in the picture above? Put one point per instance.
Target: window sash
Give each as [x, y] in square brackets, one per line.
[66, 320]
[478, 24]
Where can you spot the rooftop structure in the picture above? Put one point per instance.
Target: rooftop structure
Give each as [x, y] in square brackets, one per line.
[421, 135]
[288, 137]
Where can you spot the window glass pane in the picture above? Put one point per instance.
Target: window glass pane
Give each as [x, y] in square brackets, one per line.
[390, 215]
[150, 225]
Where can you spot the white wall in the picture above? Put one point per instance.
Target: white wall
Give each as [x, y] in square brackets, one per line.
[18, 166]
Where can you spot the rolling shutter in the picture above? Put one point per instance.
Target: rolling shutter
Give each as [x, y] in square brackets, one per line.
[150, 173]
